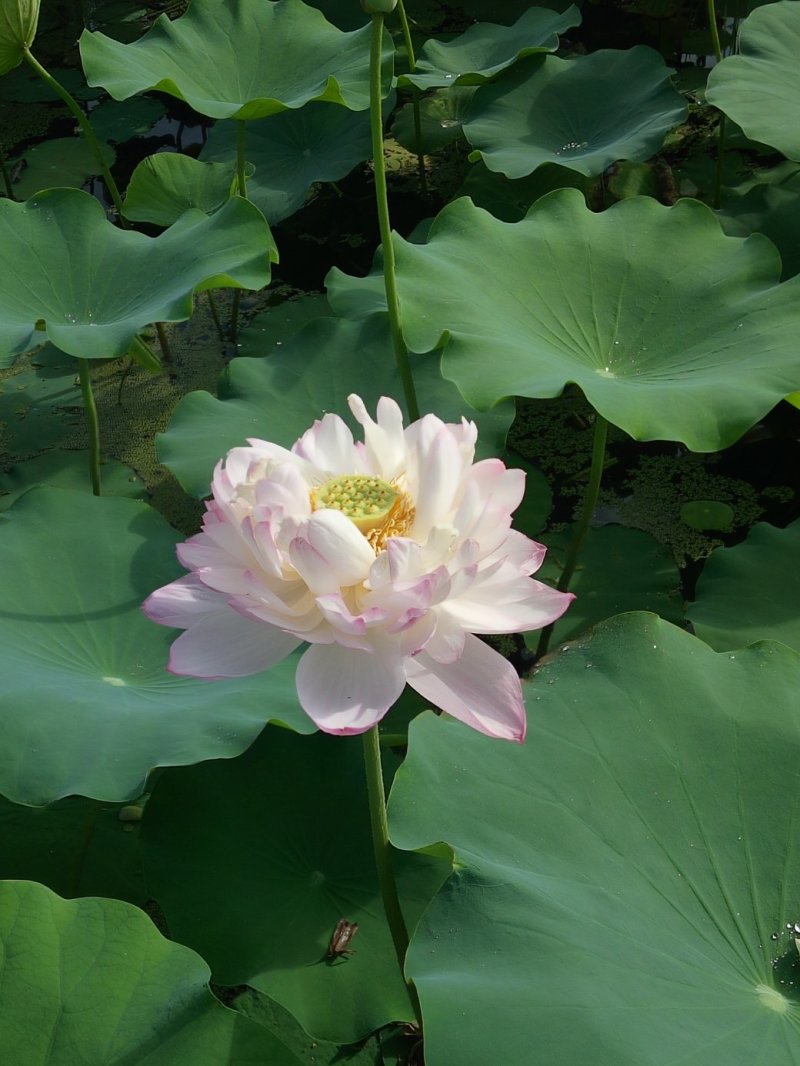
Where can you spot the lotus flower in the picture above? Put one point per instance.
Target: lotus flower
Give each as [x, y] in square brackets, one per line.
[385, 556]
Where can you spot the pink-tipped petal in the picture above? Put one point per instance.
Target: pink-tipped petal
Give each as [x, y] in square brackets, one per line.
[182, 603]
[226, 644]
[481, 689]
[345, 691]
[384, 440]
[329, 446]
[507, 607]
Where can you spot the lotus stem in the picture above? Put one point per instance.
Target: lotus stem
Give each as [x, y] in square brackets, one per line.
[93, 423]
[6, 176]
[384, 225]
[86, 129]
[412, 66]
[163, 342]
[383, 856]
[240, 160]
[212, 304]
[587, 510]
[716, 200]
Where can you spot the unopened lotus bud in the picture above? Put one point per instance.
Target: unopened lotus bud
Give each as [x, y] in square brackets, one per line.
[18, 21]
[379, 7]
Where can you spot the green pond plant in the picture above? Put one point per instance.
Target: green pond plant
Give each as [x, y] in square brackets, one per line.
[282, 823]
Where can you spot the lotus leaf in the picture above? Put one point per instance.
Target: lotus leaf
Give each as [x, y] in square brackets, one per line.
[617, 302]
[18, 21]
[751, 591]
[67, 162]
[760, 87]
[92, 980]
[291, 151]
[584, 113]
[164, 186]
[96, 286]
[288, 824]
[242, 59]
[87, 706]
[623, 879]
[774, 210]
[485, 49]
[279, 397]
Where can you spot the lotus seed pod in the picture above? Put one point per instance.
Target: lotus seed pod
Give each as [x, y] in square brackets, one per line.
[379, 7]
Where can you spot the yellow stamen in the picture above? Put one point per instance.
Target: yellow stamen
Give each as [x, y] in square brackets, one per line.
[379, 510]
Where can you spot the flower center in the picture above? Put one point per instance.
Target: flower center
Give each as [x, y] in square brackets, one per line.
[379, 510]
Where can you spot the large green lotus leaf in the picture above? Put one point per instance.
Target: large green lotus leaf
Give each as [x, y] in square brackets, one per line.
[624, 878]
[286, 828]
[672, 330]
[775, 211]
[96, 286]
[485, 49]
[584, 113]
[241, 59]
[67, 162]
[77, 847]
[18, 21]
[87, 706]
[751, 591]
[164, 186]
[278, 398]
[760, 87]
[291, 151]
[93, 981]
[618, 570]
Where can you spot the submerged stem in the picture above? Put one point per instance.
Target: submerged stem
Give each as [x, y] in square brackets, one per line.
[6, 176]
[587, 510]
[93, 423]
[85, 126]
[412, 66]
[383, 856]
[384, 225]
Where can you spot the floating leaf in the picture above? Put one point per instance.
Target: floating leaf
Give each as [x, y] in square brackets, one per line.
[96, 286]
[67, 470]
[67, 162]
[617, 302]
[87, 706]
[92, 980]
[485, 49]
[18, 21]
[278, 398]
[760, 87]
[618, 570]
[441, 117]
[77, 847]
[624, 878]
[708, 514]
[751, 591]
[292, 151]
[288, 825]
[119, 121]
[244, 60]
[164, 186]
[584, 113]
